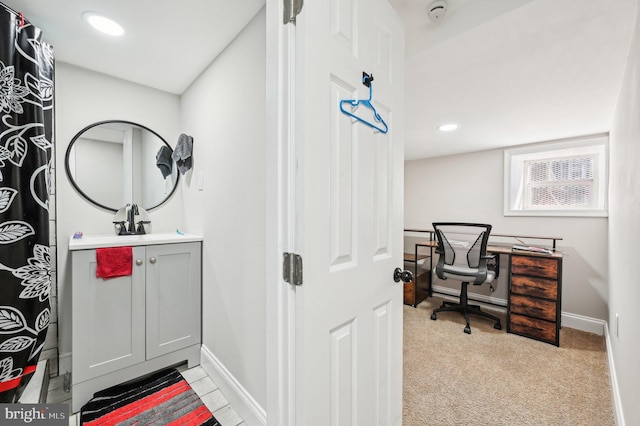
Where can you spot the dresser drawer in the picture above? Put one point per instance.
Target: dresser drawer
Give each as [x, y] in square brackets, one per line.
[534, 286]
[532, 327]
[533, 307]
[536, 266]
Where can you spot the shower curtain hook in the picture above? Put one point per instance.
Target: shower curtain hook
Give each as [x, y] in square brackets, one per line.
[21, 20]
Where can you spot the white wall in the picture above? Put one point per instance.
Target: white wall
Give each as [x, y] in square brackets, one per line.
[84, 97]
[469, 187]
[624, 236]
[224, 112]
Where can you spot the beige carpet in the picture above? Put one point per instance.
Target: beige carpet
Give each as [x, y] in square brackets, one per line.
[492, 377]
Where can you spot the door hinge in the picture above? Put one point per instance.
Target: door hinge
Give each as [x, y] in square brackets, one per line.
[291, 9]
[292, 268]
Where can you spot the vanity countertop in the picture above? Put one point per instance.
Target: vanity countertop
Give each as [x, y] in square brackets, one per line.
[88, 242]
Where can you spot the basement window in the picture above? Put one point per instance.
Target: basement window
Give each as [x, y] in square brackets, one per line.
[562, 178]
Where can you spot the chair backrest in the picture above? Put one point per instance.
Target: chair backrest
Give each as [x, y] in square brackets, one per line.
[463, 251]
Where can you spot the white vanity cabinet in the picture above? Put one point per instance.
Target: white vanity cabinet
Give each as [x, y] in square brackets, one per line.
[129, 326]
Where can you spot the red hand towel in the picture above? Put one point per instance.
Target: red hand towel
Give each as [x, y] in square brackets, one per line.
[114, 262]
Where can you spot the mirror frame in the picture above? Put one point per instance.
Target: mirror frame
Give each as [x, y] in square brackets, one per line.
[91, 200]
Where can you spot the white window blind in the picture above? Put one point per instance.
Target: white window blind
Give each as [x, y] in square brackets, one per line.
[563, 178]
[560, 182]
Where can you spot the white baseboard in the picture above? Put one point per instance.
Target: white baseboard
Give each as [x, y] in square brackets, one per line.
[615, 391]
[580, 322]
[249, 410]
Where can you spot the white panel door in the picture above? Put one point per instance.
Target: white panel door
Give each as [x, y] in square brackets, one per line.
[348, 311]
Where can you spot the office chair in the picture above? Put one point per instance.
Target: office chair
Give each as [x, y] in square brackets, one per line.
[463, 256]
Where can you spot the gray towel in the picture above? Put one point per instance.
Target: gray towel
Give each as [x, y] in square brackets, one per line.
[182, 153]
[163, 161]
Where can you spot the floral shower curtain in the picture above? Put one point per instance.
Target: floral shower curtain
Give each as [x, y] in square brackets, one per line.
[26, 145]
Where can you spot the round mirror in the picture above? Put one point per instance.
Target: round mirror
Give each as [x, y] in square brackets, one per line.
[114, 163]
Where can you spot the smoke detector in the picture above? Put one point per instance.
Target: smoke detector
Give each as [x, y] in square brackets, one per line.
[436, 10]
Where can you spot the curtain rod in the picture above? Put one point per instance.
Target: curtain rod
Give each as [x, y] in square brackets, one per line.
[17, 14]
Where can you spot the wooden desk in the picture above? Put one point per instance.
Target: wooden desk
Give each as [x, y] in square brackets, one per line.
[517, 237]
[411, 257]
[534, 290]
[419, 288]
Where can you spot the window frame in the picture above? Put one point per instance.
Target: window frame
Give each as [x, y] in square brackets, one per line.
[515, 170]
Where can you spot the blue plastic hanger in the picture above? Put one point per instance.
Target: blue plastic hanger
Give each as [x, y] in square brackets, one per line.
[366, 80]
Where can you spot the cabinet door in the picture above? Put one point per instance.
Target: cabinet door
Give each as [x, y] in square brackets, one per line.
[173, 297]
[108, 317]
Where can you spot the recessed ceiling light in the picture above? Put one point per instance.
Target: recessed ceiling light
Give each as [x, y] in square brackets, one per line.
[103, 24]
[447, 127]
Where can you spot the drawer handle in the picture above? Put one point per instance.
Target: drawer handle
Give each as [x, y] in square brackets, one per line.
[152, 260]
[139, 262]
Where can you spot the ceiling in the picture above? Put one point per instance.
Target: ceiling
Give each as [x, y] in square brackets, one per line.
[176, 39]
[511, 72]
[507, 71]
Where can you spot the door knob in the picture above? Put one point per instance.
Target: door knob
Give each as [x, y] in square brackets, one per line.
[404, 276]
[152, 260]
[139, 262]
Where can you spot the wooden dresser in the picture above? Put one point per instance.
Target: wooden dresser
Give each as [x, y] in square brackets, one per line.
[535, 288]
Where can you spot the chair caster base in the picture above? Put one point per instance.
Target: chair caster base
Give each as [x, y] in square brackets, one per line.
[497, 326]
[434, 317]
[467, 330]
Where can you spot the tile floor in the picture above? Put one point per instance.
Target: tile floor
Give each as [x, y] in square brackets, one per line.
[201, 383]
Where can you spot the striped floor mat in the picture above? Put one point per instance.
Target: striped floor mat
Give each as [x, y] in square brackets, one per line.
[164, 398]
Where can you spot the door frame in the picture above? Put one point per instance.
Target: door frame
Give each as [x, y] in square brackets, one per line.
[282, 203]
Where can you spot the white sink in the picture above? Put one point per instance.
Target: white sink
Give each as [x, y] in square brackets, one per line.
[98, 241]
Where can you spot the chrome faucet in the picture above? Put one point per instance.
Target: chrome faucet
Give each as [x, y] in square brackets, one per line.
[131, 218]
[130, 226]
